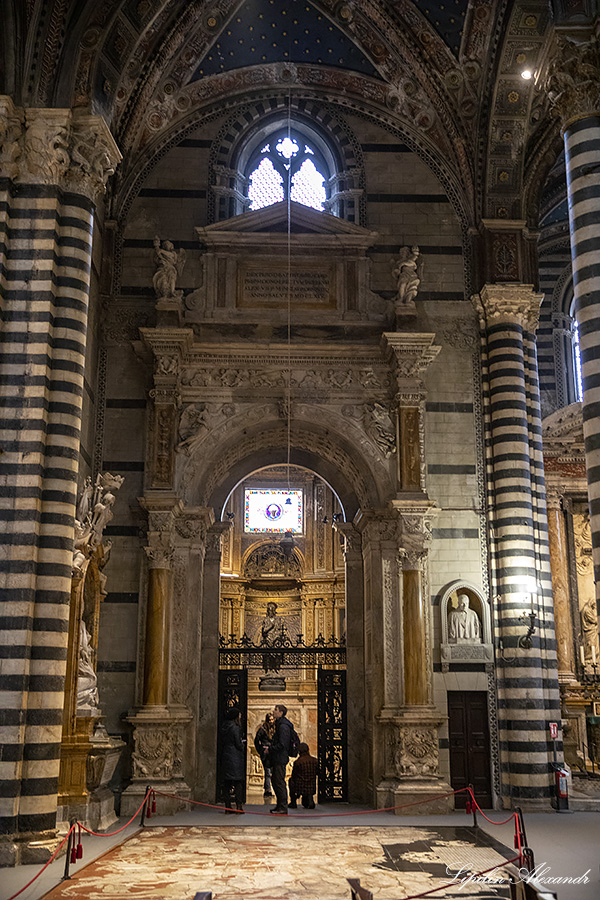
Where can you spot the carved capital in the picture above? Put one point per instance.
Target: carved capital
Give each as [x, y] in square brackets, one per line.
[573, 79]
[213, 538]
[159, 552]
[57, 146]
[352, 537]
[409, 356]
[515, 303]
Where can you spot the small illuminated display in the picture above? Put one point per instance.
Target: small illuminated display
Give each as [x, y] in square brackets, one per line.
[273, 511]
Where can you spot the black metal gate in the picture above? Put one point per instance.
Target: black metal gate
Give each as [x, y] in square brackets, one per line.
[332, 730]
[233, 691]
[285, 652]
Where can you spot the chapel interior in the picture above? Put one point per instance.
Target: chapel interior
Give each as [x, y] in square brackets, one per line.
[299, 387]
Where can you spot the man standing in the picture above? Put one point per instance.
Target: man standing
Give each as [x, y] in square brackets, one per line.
[279, 756]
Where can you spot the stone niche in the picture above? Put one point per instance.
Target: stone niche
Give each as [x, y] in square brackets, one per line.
[247, 268]
[472, 649]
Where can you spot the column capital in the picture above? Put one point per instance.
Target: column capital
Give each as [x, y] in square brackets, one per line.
[69, 148]
[409, 355]
[159, 552]
[169, 346]
[352, 538]
[573, 79]
[213, 538]
[516, 303]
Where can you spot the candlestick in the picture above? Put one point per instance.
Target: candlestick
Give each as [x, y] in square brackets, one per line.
[582, 655]
[593, 655]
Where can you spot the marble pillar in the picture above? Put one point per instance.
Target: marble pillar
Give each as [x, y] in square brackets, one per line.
[413, 616]
[156, 656]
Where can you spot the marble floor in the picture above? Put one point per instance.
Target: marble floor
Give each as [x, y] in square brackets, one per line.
[269, 863]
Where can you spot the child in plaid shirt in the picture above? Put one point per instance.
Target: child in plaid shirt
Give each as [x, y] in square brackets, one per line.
[303, 780]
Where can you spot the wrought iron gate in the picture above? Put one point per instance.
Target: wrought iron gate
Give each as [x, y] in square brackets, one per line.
[286, 652]
[233, 691]
[332, 730]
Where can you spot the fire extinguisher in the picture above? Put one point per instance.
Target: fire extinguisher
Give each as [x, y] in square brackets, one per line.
[561, 786]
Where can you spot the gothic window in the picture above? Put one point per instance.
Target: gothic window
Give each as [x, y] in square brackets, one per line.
[287, 166]
[279, 158]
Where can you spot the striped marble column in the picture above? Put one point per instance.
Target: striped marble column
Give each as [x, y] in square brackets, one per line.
[573, 88]
[527, 678]
[57, 165]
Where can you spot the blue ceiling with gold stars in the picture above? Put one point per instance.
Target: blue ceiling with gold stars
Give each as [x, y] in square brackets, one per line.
[447, 17]
[266, 31]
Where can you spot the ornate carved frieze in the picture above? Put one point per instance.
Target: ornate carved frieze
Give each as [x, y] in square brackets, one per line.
[573, 80]
[57, 146]
[270, 559]
[412, 750]
[516, 303]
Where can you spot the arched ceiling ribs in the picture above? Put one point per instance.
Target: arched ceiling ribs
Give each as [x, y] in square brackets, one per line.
[516, 107]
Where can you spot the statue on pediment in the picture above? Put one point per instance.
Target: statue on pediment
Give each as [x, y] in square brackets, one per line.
[408, 272]
[169, 265]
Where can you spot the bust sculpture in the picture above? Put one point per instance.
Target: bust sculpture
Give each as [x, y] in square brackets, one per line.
[464, 626]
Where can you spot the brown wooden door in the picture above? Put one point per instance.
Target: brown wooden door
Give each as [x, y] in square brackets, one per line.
[470, 746]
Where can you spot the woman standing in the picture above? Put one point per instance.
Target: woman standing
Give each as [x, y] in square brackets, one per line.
[233, 759]
[262, 742]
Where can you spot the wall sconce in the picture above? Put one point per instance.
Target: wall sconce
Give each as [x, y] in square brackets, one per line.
[525, 642]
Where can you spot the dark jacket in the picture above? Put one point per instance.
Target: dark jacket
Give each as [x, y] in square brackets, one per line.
[233, 760]
[303, 780]
[262, 742]
[279, 751]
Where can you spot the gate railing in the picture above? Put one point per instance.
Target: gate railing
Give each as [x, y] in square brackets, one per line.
[281, 651]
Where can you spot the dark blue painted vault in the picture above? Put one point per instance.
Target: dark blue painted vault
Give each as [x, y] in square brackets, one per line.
[266, 31]
[447, 17]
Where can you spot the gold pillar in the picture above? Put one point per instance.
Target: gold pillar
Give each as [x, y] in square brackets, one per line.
[409, 457]
[415, 660]
[559, 561]
[156, 656]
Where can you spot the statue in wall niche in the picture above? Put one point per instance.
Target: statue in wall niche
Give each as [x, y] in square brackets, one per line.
[589, 629]
[268, 633]
[94, 512]
[464, 626]
[408, 272]
[87, 680]
[169, 265]
[380, 427]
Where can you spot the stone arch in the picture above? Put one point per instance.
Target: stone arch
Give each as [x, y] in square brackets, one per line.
[209, 478]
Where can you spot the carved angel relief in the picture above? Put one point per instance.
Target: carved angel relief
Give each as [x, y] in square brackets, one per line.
[197, 420]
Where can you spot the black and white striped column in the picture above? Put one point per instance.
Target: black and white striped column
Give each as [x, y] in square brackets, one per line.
[527, 678]
[572, 85]
[47, 214]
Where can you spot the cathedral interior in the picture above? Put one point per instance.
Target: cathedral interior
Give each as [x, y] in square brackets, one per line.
[300, 390]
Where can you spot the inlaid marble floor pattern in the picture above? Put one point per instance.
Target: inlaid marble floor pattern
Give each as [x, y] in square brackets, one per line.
[173, 863]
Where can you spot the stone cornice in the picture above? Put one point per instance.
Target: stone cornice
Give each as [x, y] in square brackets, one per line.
[515, 303]
[71, 149]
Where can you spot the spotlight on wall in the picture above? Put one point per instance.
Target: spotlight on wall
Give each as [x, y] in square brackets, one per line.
[324, 520]
[527, 74]
[230, 516]
[336, 517]
[287, 544]
[288, 502]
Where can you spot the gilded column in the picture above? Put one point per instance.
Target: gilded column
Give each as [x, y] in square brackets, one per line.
[573, 87]
[559, 565]
[413, 616]
[54, 164]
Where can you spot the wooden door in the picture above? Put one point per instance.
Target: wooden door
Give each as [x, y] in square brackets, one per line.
[470, 746]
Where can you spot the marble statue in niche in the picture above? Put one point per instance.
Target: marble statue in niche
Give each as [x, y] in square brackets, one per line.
[589, 631]
[408, 272]
[87, 680]
[464, 626]
[169, 267]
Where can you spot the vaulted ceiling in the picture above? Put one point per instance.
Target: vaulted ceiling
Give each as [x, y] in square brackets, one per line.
[446, 72]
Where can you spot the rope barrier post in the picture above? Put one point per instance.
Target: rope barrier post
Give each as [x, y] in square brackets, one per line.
[526, 851]
[473, 806]
[143, 816]
[357, 892]
[71, 839]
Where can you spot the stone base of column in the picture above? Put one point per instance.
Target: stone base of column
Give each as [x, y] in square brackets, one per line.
[426, 797]
[157, 758]
[34, 850]
[165, 806]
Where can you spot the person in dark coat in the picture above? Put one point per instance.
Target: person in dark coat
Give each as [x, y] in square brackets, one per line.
[262, 742]
[303, 780]
[279, 756]
[233, 759]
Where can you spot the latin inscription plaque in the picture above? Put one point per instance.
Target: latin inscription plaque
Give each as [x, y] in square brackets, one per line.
[267, 286]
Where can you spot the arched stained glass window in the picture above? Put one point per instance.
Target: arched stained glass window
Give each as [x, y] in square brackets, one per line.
[286, 165]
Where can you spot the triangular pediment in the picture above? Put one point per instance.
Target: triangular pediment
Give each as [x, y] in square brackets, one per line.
[274, 220]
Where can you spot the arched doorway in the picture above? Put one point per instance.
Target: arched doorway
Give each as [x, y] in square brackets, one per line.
[282, 616]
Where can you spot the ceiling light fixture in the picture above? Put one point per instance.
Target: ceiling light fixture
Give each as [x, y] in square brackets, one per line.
[526, 74]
